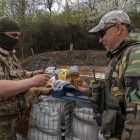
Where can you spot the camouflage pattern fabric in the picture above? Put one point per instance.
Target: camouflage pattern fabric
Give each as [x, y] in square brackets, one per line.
[135, 30]
[126, 83]
[120, 17]
[8, 128]
[10, 70]
[13, 71]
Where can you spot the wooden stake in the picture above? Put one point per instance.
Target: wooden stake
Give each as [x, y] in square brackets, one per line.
[32, 51]
[71, 46]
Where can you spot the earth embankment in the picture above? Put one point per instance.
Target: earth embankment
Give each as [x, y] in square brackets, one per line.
[66, 58]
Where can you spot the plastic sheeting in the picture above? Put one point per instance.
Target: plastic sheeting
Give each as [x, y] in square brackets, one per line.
[84, 131]
[36, 134]
[46, 118]
[50, 71]
[48, 113]
[84, 126]
[19, 137]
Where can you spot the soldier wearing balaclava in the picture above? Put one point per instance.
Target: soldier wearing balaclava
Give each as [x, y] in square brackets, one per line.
[7, 24]
[14, 81]
[10, 107]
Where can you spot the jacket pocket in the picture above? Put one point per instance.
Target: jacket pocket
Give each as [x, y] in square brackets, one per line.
[17, 74]
[108, 127]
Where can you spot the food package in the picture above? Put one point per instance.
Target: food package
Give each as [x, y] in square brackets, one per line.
[62, 74]
[66, 75]
[74, 73]
[50, 71]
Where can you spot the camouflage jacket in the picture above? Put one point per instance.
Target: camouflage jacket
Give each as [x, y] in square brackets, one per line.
[11, 70]
[126, 83]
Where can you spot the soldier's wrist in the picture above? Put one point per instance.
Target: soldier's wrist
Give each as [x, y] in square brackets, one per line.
[32, 74]
[88, 91]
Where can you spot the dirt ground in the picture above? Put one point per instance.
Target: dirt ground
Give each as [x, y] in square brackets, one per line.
[75, 57]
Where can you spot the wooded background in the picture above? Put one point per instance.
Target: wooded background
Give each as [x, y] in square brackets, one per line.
[45, 30]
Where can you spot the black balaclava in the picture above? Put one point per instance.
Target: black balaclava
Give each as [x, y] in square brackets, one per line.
[8, 24]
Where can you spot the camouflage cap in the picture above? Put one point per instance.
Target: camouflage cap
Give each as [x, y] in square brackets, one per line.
[117, 16]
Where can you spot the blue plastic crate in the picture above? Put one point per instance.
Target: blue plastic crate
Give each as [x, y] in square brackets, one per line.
[58, 93]
[69, 89]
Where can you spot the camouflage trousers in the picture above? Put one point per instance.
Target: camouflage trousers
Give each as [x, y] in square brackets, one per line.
[8, 126]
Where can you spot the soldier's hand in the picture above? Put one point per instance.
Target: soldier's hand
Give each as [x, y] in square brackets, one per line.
[83, 83]
[38, 72]
[40, 80]
[82, 86]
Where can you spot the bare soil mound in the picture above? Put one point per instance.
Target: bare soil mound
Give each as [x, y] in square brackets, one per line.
[75, 57]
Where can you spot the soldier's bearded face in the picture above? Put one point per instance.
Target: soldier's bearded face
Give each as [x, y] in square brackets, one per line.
[108, 39]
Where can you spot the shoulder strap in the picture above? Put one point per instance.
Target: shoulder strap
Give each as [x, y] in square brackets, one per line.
[109, 72]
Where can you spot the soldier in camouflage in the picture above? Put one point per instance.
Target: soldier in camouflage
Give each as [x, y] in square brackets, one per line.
[121, 100]
[14, 81]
